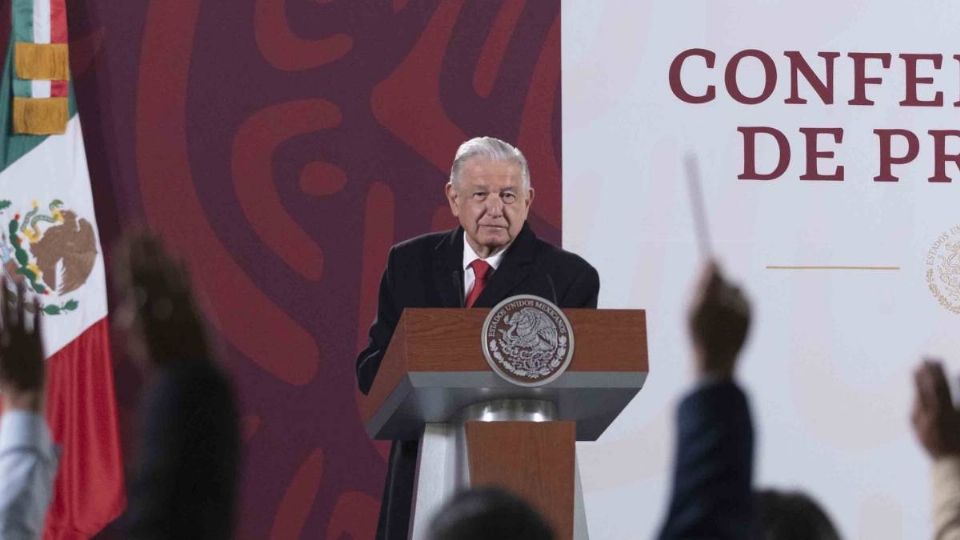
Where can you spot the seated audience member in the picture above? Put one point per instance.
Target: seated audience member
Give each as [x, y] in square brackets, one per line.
[28, 458]
[791, 516]
[186, 482]
[712, 495]
[936, 423]
[488, 514]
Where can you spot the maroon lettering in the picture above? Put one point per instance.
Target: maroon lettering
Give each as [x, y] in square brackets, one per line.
[813, 154]
[957, 58]
[912, 81]
[887, 159]
[860, 79]
[940, 156]
[750, 153]
[676, 83]
[769, 75]
[799, 66]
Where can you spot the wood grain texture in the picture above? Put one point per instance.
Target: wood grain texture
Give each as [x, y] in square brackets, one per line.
[393, 369]
[443, 339]
[448, 340]
[534, 460]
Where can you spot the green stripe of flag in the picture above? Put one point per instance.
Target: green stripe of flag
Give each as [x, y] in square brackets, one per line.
[22, 87]
[22, 24]
[14, 146]
[22, 17]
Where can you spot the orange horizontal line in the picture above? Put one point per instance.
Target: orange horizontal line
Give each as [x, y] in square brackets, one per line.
[824, 267]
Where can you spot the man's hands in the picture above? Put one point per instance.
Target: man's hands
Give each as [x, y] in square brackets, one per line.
[936, 421]
[719, 321]
[22, 364]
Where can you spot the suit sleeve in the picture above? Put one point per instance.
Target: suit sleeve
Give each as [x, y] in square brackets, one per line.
[584, 290]
[381, 331]
[185, 484]
[712, 493]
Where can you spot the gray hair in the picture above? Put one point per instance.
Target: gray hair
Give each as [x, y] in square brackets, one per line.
[490, 148]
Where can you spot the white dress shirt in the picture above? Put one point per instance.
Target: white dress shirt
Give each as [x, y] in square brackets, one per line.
[469, 255]
[28, 466]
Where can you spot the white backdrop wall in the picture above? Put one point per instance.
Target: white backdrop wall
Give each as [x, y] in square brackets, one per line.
[828, 364]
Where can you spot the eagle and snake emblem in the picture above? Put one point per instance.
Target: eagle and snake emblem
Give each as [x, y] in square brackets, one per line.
[948, 268]
[527, 340]
[51, 249]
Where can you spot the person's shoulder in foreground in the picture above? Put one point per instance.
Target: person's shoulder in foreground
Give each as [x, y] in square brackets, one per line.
[186, 479]
[488, 513]
[28, 457]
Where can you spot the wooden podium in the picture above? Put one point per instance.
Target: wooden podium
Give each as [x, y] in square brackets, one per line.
[478, 429]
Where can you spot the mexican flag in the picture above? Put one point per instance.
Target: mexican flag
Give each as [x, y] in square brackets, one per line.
[49, 239]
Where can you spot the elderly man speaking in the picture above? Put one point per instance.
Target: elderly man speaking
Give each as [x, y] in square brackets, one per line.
[492, 255]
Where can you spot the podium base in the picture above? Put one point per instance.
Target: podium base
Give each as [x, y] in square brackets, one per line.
[443, 465]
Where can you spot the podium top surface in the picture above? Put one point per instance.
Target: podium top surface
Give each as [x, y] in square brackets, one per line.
[434, 368]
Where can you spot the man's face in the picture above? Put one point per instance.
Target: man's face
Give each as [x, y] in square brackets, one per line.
[491, 203]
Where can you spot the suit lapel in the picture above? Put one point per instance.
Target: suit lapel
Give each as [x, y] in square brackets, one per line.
[516, 266]
[447, 271]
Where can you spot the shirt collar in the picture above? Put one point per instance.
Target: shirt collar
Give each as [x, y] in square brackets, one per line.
[469, 255]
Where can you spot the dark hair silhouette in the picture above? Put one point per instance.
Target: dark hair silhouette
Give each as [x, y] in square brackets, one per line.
[791, 516]
[488, 514]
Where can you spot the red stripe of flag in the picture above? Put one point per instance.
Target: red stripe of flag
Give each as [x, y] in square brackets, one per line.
[59, 88]
[82, 412]
[58, 21]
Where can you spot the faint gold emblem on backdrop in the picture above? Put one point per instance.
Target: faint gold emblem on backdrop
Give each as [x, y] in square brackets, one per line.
[943, 269]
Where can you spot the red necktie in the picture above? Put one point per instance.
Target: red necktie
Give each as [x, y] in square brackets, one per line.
[480, 271]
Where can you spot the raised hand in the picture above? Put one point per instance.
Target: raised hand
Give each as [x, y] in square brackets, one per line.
[719, 322]
[22, 364]
[936, 422]
[158, 304]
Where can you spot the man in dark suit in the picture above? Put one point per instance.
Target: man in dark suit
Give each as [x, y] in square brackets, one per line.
[492, 255]
[713, 465]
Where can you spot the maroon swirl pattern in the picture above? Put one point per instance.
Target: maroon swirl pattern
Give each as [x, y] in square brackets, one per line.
[284, 49]
[253, 152]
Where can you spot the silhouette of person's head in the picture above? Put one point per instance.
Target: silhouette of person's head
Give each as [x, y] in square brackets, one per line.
[157, 309]
[488, 514]
[791, 516]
